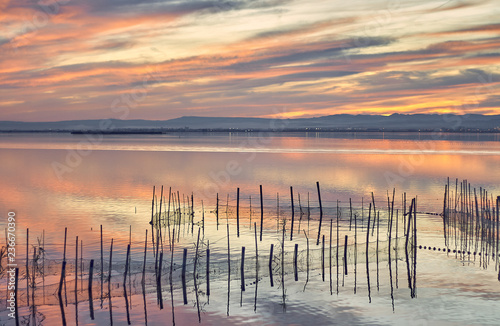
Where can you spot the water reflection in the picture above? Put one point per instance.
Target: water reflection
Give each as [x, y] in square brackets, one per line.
[110, 186]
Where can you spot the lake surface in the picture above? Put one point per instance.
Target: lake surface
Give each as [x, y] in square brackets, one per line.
[53, 181]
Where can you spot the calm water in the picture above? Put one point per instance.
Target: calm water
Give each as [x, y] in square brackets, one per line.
[82, 182]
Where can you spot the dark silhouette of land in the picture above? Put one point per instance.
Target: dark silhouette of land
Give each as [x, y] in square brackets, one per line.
[332, 123]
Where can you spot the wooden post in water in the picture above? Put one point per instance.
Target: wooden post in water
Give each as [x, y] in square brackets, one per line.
[91, 299]
[126, 265]
[76, 267]
[415, 248]
[330, 257]
[338, 238]
[396, 247]
[81, 265]
[367, 261]
[345, 255]
[376, 250]
[228, 270]
[217, 211]
[404, 213]
[208, 271]
[158, 281]
[374, 213]
[295, 271]
[192, 213]
[355, 250]
[242, 269]
[271, 265]
[444, 215]
[238, 212]
[170, 276]
[261, 212]
[256, 267]
[196, 254]
[406, 249]
[350, 214]
[277, 212]
[320, 212]
[152, 207]
[184, 260]
[61, 280]
[497, 235]
[293, 213]
[143, 280]
[256, 255]
[323, 259]
[102, 259]
[110, 261]
[168, 218]
[27, 266]
[283, 266]
[250, 210]
[307, 258]
[102, 265]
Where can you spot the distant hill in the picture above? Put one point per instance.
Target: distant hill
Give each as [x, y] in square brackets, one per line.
[394, 122]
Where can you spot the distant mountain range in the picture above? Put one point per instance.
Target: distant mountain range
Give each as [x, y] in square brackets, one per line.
[344, 122]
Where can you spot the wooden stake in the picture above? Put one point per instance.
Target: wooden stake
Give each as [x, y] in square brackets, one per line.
[61, 280]
[102, 257]
[323, 259]
[110, 261]
[217, 211]
[208, 271]
[126, 265]
[91, 299]
[242, 269]
[238, 212]
[271, 265]
[261, 212]
[293, 213]
[76, 267]
[320, 213]
[143, 280]
[367, 261]
[345, 255]
[184, 259]
[295, 271]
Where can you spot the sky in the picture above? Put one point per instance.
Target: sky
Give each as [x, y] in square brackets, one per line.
[158, 60]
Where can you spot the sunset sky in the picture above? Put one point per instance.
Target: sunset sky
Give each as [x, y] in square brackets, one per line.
[156, 59]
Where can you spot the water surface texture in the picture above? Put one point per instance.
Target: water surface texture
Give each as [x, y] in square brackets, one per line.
[54, 181]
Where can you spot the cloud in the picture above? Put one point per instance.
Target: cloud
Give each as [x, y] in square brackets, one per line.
[177, 7]
[240, 57]
[305, 53]
[115, 45]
